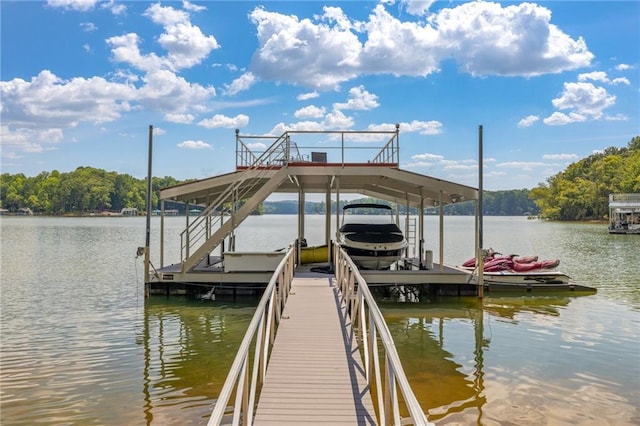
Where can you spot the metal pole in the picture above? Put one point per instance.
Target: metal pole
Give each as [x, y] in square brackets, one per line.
[148, 207]
[421, 233]
[480, 256]
[327, 221]
[441, 230]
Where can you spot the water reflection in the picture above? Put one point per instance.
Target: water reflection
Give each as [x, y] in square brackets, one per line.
[514, 360]
[188, 349]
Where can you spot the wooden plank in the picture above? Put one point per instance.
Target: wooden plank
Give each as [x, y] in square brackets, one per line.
[315, 374]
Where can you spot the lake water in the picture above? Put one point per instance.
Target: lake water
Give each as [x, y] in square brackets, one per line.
[80, 345]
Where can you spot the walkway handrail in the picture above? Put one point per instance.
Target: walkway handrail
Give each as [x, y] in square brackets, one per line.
[371, 326]
[262, 326]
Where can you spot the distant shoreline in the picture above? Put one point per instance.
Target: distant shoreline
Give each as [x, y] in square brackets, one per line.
[142, 214]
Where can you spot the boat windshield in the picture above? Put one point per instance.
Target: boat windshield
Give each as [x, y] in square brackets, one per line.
[369, 213]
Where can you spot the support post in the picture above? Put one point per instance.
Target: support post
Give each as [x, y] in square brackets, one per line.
[480, 256]
[441, 230]
[300, 221]
[327, 221]
[421, 254]
[148, 207]
[338, 208]
[162, 233]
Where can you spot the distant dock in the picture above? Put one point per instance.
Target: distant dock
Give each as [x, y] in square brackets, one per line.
[624, 214]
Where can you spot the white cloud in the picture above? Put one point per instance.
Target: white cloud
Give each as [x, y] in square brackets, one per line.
[179, 118]
[522, 165]
[427, 156]
[601, 76]
[528, 121]
[220, 120]
[334, 120]
[192, 7]
[595, 76]
[184, 42]
[484, 38]
[417, 7]
[560, 119]
[157, 131]
[87, 5]
[617, 117]
[48, 101]
[307, 96]
[79, 5]
[623, 67]
[337, 120]
[194, 145]
[584, 99]
[257, 146]
[310, 111]
[621, 80]
[313, 54]
[113, 7]
[417, 165]
[168, 93]
[519, 39]
[26, 140]
[125, 49]
[240, 84]
[423, 127]
[359, 99]
[563, 157]
[88, 26]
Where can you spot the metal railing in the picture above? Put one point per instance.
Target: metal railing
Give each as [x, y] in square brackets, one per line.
[212, 217]
[243, 378]
[283, 150]
[629, 198]
[371, 329]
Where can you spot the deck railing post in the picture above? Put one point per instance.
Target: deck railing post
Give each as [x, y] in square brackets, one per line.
[373, 349]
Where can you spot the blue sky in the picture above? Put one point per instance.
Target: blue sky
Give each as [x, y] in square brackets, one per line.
[551, 82]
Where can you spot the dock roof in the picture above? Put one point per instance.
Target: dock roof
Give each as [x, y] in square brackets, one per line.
[382, 181]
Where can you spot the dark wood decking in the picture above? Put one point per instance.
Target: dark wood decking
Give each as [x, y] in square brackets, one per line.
[315, 375]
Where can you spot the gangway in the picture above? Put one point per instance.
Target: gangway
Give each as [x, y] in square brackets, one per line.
[323, 364]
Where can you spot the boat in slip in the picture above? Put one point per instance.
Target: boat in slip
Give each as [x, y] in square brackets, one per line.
[370, 235]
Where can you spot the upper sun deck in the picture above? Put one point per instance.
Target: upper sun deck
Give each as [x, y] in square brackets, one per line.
[362, 162]
[319, 148]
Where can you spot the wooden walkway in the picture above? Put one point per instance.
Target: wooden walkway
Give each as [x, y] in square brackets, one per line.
[315, 374]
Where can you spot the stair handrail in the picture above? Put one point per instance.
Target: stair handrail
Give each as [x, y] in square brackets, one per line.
[390, 153]
[242, 377]
[371, 326]
[275, 156]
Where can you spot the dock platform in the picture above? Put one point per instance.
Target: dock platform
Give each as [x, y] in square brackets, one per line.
[315, 374]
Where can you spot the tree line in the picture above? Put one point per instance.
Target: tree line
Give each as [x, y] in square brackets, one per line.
[90, 190]
[514, 202]
[581, 191]
[84, 190]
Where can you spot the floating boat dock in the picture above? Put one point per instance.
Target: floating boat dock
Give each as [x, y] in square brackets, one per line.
[624, 214]
[332, 163]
